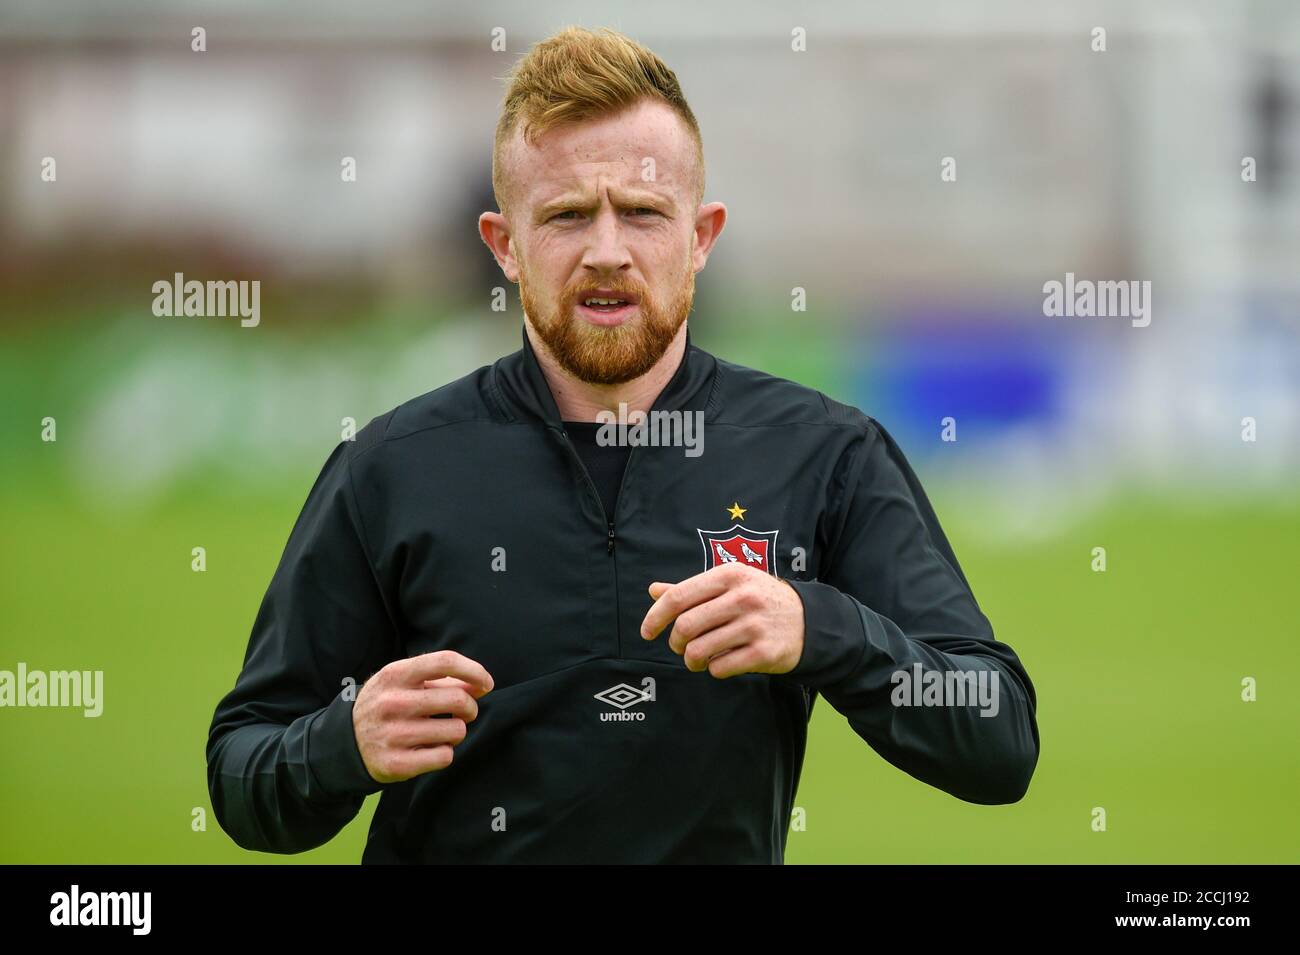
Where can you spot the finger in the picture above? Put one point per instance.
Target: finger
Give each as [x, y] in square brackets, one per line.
[682, 596]
[471, 688]
[437, 701]
[700, 620]
[405, 763]
[743, 659]
[414, 671]
[704, 649]
[413, 734]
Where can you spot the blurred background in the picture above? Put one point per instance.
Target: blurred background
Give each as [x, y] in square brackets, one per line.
[924, 300]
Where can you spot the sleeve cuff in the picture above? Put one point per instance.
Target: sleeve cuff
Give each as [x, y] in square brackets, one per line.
[333, 753]
[834, 638]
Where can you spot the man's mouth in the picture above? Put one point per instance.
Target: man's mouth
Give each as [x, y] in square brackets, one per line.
[606, 309]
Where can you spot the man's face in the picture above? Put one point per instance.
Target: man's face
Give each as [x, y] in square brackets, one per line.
[606, 209]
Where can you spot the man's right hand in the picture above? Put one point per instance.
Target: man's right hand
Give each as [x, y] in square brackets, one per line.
[410, 714]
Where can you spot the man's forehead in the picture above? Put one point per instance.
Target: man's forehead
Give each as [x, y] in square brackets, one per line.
[639, 149]
[586, 179]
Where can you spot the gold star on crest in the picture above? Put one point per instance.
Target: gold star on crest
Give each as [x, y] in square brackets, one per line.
[737, 512]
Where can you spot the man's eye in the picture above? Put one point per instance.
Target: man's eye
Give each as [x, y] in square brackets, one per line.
[643, 210]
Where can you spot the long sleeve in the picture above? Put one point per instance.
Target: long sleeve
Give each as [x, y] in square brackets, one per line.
[893, 622]
[284, 770]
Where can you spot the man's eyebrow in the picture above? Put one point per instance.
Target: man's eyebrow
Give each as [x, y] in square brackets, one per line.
[566, 200]
[624, 197]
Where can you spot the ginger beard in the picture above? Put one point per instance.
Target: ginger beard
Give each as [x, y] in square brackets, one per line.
[607, 354]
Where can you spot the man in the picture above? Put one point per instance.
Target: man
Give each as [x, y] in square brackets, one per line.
[571, 648]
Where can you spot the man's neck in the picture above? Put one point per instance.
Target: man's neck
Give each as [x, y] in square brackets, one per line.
[582, 401]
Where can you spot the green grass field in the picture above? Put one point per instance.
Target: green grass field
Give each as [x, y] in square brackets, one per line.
[1137, 672]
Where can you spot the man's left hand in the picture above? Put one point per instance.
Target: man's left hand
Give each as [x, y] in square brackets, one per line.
[730, 620]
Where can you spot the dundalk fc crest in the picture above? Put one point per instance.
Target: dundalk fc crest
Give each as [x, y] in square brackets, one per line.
[740, 545]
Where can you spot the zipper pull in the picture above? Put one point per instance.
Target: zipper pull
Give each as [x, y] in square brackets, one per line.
[610, 548]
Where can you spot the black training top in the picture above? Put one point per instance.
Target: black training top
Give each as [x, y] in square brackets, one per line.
[604, 462]
[464, 520]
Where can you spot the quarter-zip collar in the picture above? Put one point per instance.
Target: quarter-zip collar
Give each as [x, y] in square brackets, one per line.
[523, 392]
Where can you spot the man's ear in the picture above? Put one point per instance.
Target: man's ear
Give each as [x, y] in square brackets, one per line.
[709, 223]
[494, 229]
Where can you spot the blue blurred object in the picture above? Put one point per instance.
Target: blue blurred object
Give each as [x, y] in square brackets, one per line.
[990, 369]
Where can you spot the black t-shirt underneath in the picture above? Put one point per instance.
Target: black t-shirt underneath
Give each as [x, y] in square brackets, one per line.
[605, 463]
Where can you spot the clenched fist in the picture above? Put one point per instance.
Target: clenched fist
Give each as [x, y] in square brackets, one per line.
[410, 714]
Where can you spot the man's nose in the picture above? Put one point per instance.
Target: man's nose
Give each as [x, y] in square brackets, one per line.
[607, 249]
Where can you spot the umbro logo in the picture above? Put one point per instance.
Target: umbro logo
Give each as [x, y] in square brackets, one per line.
[623, 696]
